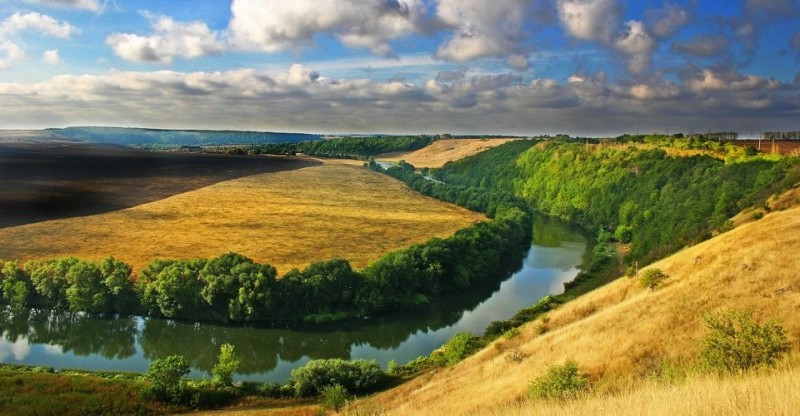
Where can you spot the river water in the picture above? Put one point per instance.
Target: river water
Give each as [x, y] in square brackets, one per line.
[269, 354]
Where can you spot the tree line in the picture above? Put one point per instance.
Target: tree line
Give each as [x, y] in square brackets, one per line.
[643, 196]
[234, 288]
[342, 148]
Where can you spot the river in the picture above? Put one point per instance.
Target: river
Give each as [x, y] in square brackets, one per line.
[62, 341]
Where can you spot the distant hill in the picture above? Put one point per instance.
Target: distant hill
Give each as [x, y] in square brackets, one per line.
[158, 137]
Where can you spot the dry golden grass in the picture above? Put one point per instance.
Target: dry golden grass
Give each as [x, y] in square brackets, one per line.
[622, 331]
[287, 219]
[776, 393]
[443, 151]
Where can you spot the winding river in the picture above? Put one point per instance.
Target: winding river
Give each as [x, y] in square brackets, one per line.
[269, 354]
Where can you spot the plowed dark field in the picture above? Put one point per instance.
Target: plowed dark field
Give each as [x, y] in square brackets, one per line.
[42, 181]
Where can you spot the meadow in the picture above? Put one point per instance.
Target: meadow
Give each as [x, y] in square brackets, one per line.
[442, 151]
[285, 218]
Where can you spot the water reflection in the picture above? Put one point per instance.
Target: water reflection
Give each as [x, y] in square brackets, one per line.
[63, 340]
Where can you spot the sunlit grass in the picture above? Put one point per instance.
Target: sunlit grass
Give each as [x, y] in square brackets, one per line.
[442, 151]
[287, 219]
[622, 333]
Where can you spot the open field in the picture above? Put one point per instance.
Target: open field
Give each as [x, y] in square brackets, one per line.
[48, 180]
[784, 147]
[287, 218]
[443, 151]
[622, 332]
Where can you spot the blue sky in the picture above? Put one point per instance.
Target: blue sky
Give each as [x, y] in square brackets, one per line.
[590, 67]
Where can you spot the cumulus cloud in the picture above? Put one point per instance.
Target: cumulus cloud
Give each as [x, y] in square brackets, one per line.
[275, 25]
[637, 44]
[593, 20]
[92, 5]
[51, 56]
[36, 22]
[171, 39]
[665, 21]
[10, 54]
[484, 29]
[702, 46]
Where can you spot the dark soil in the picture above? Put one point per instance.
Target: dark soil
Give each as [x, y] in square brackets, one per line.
[42, 181]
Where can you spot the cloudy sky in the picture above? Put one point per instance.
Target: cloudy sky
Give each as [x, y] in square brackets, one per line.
[589, 67]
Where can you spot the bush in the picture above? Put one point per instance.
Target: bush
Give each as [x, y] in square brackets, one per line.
[355, 376]
[652, 278]
[227, 364]
[737, 343]
[456, 349]
[271, 390]
[559, 382]
[167, 378]
[334, 397]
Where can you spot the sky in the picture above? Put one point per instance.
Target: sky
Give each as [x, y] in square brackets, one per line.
[523, 67]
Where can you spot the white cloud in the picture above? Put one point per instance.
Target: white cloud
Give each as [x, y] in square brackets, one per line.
[51, 56]
[10, 54]
[484, 29]
[664, 22]
[92, 5]
[637, 44]
[593, 20]
[275, 25]
[37, 22]
[171, 39]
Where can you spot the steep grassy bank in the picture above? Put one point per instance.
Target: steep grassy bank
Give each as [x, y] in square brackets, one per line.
[622, 333]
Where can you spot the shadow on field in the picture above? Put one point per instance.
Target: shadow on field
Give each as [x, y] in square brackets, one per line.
[46, 181]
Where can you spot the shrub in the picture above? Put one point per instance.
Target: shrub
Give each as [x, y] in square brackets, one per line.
[652, 278]
[737, 343]
[271, 390]
[355, 376]
[457, 348]
[167, 378]
[227, 364]
[334, 397]
[559, 382]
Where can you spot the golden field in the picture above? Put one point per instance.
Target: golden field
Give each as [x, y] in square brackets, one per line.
[622, 333]
[442, 151]
[287, 219]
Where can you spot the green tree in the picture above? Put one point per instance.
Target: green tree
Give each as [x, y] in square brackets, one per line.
[121, 290]
[168, 378]
[86, 291]
[49, 278]
[334, 397]
[227, 364]
[15, 285]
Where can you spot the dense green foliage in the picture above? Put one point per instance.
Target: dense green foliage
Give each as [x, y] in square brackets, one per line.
[227, 364]
[460, 346]
[656, 202]
[738, 343]
[357, 376]
[334, 397]
[343, 148]
[167, 377]
[139, 136]
[559, 382]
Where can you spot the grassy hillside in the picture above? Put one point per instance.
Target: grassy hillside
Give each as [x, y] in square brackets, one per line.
[622, 334]
[287, 219]
[442, 151]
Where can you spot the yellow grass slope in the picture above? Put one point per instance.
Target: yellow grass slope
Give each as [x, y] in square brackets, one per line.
[442, 151]
[287, 219]
[621, 332]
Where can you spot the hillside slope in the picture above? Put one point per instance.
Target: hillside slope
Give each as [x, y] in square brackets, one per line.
[622, 332]
[442, 151]
[287, 219]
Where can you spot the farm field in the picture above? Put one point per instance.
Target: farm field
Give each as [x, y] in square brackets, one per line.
[442, 151]
[287, 218]
[48, 180]
[784, 147]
